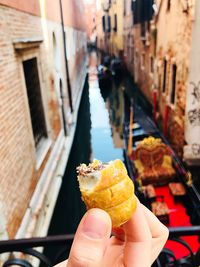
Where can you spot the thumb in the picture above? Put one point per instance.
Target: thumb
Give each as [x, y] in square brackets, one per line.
[90, 239]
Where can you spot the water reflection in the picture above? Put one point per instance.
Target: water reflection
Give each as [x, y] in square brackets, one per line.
[115, 104]
[106, 107]
[98, 135]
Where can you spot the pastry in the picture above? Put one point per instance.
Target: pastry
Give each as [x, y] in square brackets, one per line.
[107, 186]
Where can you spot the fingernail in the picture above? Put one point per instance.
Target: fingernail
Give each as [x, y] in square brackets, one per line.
[94, 225]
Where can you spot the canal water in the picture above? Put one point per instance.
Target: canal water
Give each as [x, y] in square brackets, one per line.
[106, 109]
[98, 135]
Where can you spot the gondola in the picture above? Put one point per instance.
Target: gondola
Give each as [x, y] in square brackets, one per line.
[104, 78]
[170, 194]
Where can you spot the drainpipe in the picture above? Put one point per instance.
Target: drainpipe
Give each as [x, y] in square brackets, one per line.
[66, 61]
[62, 107]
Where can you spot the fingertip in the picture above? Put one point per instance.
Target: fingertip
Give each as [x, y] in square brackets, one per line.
[99, 213]
[91, 238]
[96, 223]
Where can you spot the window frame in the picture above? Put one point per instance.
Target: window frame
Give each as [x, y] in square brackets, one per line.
[173, 84]
[115, 23]
[168, 5]
[44, 144]
[151, 64]
[164, 76]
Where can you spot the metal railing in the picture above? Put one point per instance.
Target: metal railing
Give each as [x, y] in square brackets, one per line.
[167, 257]
[28, 246]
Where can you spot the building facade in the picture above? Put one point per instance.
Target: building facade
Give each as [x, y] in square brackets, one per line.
[110, 26]
[116, 11]
[174, 22]
[42, 75]
[160, 50]
[128, 35]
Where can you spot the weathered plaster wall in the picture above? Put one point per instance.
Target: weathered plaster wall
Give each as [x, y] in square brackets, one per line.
[174, 36]
[192, 113]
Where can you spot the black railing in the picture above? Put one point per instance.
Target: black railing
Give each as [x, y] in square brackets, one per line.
[167, 257]
[28, 246]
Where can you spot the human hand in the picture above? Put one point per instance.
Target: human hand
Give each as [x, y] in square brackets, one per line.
[136, 244]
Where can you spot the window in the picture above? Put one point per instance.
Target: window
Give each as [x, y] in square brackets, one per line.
[148, 26]
[151, 64]
[35, 100]
[136, 66]
[142, 10]
[103, 24]
[115, 23]
[168, 5]
[125, 7]
[164, 76]
[109, 24]
[143, 30]
[106, 23]
[173, 91]
[55, 52]
[159, 81]
[143, 60]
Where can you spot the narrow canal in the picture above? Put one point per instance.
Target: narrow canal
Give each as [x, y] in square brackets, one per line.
[106, 109]
[98, 135]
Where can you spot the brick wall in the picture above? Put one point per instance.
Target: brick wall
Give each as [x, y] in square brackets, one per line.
[18, 172]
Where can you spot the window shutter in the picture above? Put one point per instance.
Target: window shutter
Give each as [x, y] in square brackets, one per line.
[142, 10]
[103, 24]
[109, 24]
[115, 19]
[173, 91]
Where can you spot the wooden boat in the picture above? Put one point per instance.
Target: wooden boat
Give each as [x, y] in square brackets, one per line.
[162, 182]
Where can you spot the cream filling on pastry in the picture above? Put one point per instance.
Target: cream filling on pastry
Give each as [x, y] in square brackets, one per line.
[89, 181]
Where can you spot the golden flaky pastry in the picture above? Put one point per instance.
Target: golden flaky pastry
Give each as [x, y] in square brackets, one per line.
[107, 186]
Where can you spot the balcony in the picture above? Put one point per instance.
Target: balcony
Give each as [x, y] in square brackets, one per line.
[29, 246]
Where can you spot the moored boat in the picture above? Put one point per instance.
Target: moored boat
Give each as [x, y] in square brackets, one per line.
[162, 182]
